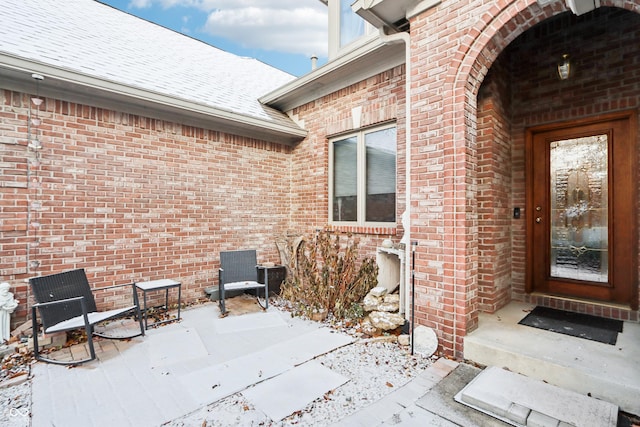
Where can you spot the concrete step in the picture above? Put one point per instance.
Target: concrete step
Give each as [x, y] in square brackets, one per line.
[607, 372]
[522, 401]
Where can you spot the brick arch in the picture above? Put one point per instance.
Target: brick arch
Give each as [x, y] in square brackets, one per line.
[478, 50]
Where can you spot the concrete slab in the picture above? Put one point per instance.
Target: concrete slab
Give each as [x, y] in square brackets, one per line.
[249, 322]
[413, 416]
[176, 346]
[234, 375]
[305, 347]
[439, 400]
[524, 401]
[292, 391]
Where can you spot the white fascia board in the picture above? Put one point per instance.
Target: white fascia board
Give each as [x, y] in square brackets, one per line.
[77, 87]
[367, 60]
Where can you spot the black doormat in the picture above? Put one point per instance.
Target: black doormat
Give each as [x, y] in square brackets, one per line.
[575, 324]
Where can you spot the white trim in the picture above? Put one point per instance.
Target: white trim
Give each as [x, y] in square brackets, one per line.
[361, 178]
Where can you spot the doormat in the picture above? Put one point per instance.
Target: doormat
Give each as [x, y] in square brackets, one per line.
[575, 324]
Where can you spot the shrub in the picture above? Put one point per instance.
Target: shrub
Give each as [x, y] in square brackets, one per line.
[327, 278]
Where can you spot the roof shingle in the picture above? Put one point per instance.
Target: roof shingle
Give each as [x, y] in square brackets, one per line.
[94, 39]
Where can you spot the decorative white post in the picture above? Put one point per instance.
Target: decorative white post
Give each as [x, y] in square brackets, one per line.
[7, 305]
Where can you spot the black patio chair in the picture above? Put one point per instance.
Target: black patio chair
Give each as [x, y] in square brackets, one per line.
[65, 302]
[239, 271]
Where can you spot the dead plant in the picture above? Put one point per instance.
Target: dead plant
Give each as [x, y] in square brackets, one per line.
[328, 277]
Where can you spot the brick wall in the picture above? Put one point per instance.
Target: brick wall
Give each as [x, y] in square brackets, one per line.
[130, 198]
[494, 190]
[456, 217]
[381, 99]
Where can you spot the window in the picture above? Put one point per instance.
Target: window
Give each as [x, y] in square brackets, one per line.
[352, 26]
[363, 177]
[347, 30]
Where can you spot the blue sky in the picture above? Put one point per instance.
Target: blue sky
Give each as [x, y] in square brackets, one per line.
[281, 33]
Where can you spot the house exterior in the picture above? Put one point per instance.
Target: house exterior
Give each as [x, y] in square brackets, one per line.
[443, 123]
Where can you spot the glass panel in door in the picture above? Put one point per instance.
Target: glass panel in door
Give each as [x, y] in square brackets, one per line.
[579, 209]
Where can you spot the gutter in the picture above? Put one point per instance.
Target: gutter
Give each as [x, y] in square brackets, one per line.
[15, 74]
[406, 39]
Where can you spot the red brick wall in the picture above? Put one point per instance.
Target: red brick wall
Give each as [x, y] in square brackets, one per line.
[382, 100]
[130, 198]
[454, 45]
[494, 190]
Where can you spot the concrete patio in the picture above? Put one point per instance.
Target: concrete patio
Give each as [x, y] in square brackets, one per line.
[268, 358]
[178, 368]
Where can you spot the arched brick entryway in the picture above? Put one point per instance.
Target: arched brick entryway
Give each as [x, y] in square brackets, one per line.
[456, 209]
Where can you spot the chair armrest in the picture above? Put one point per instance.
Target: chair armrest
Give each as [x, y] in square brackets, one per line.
[113, 286]
[44, 304]
[133, 289]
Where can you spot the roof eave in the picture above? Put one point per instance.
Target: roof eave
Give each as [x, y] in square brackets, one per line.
[389, 12]
[367, 60]
[15, 74]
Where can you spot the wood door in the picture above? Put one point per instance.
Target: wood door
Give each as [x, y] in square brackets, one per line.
[581, 210]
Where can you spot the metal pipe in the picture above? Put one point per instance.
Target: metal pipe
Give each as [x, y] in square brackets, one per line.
[413, 292]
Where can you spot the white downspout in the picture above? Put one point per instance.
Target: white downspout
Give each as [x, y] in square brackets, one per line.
[392, 39]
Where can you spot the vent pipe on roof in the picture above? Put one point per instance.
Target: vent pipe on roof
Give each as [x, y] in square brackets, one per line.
[314, 62]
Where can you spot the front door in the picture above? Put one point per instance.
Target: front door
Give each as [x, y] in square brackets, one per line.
[581, 211]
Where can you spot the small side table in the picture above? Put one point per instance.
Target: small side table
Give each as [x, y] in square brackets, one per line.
[158, 285]
[274, 274]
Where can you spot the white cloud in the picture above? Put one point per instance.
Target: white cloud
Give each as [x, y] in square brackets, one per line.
[288, 26]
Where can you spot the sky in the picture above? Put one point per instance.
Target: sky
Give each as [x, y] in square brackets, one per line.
[282, 33]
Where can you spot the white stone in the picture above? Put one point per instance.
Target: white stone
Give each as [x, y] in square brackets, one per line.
[425, 341]
[378, 291]
[390, 303]
[371, 302]
[368, 328]
[386, 321]
[404, 339]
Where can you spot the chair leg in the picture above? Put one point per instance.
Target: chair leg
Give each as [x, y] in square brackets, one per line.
[92, 350]
[40, 358]
[136, 302]
[34, 328]
[223, 309]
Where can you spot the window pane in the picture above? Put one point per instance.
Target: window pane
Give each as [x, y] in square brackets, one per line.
[345, 180]
[381, 175]
[351, 25]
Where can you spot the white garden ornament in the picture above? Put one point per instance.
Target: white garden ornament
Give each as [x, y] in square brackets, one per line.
[7, 305]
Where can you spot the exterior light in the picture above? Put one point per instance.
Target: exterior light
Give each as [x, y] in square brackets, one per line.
[564, 67]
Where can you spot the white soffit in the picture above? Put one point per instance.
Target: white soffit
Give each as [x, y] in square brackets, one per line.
[366, 61]
[580, 7]
[389, 12]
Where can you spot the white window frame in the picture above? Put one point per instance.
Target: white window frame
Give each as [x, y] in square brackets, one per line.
[361, 172]
[335, 49]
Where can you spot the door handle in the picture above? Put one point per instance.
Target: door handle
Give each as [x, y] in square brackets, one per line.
[538, 220]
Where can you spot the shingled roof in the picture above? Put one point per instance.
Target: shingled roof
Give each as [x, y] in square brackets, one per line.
[92, 52]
